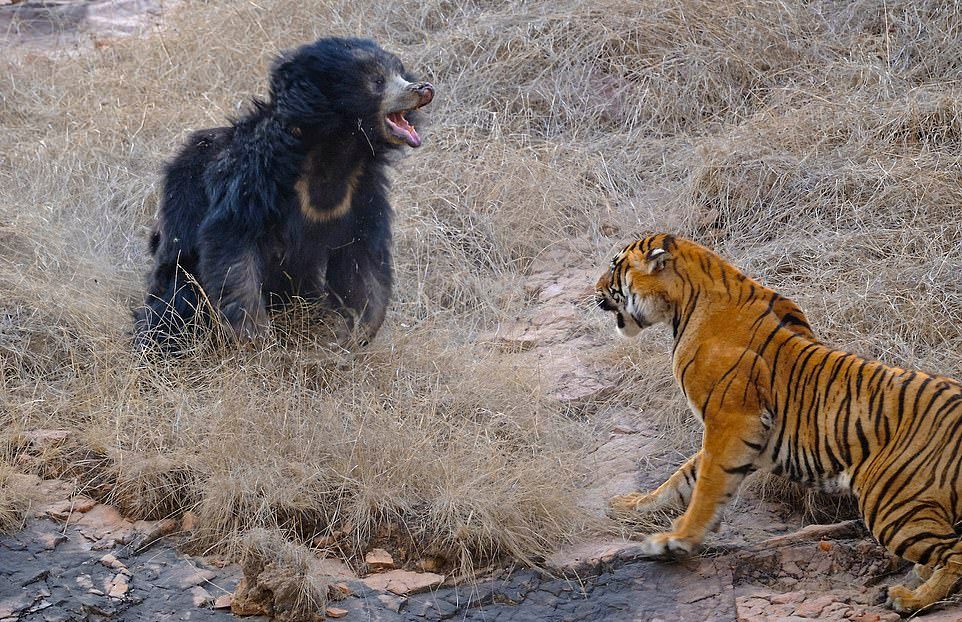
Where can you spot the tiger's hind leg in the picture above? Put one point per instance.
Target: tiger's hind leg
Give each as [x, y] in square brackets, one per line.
[936, 548]
[675, 493]
[937, 587]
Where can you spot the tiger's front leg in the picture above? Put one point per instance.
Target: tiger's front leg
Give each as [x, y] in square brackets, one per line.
[730, 452]
[675, 493]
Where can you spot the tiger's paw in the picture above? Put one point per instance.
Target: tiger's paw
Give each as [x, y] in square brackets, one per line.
[667, 545]
[633, 503]
[903, 600]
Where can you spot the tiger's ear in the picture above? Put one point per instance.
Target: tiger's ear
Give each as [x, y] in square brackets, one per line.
[655, 260]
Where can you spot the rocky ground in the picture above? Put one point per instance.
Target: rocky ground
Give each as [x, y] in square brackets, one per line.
[81, 560]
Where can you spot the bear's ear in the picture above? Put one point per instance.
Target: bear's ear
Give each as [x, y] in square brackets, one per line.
[282, 69]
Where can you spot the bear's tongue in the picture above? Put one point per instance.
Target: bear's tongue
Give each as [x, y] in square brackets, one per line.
[400, 127]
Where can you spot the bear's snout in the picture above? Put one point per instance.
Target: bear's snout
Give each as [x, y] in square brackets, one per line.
[425, 91]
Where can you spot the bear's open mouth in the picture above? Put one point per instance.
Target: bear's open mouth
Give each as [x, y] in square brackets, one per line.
[401, 128]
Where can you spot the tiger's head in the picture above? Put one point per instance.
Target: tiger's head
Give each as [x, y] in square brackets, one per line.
[638, 285]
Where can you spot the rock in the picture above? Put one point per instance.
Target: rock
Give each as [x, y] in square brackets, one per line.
[334, 568]
[403, 582]
[393, 603]
[242, 605]
[111, 561]
[84, 581]
[379, 559]
[812, 608]
[11, 607]
[787, 597]
[98, 521]
[200, 597]
[825, 545]
[191, 577]
[153, 531]
[223, 601]
[118, 587]
[83, 504]
[335, 612]
[50, 540]
[57, 510]
[341, 590]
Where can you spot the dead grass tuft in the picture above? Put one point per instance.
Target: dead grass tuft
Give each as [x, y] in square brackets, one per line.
[279, 580]
[17, 494]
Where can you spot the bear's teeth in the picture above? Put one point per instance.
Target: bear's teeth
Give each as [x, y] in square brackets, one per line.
[400, 128]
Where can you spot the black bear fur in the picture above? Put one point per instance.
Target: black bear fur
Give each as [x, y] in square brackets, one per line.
[290, 200]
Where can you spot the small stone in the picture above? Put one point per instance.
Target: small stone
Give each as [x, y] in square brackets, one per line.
[333, 568]
[84, 581]
[151, 532]
[50, 541]
[335, 612]
[111, 561]
[379, 559]
[403, 582]
[82, 504]
[242, 605]
[118, 587]
[200, 597]
[99, 518]
[825, 545]
[787, 597]
[812, 608]
[392, 602]
[223, 601]
[58, 510]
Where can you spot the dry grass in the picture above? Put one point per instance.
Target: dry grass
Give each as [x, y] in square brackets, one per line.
[817, 144]
[17, 494]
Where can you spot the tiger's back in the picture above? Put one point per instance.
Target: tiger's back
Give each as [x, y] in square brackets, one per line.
[774, 398]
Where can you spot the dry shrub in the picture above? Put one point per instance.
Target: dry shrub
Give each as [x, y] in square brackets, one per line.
[816, 144]
[17, 494]
[279, 580]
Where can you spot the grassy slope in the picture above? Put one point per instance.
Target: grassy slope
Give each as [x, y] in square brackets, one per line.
[816, 144]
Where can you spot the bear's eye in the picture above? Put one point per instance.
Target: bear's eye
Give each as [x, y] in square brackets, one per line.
[379, 81]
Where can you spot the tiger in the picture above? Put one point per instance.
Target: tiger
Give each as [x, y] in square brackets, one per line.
[772, 397]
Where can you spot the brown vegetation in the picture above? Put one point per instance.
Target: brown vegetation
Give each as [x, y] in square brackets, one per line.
[816, 144]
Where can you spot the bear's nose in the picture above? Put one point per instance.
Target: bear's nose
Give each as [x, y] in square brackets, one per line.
[425, 91]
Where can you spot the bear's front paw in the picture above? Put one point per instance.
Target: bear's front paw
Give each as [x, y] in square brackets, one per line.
[667, 545]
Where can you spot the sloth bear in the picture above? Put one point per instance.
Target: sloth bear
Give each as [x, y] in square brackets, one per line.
[289, 201]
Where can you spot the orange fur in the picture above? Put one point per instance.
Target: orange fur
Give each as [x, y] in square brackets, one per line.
[773, 398]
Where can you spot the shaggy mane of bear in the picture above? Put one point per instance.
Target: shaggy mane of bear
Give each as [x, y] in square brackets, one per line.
[288, 201]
